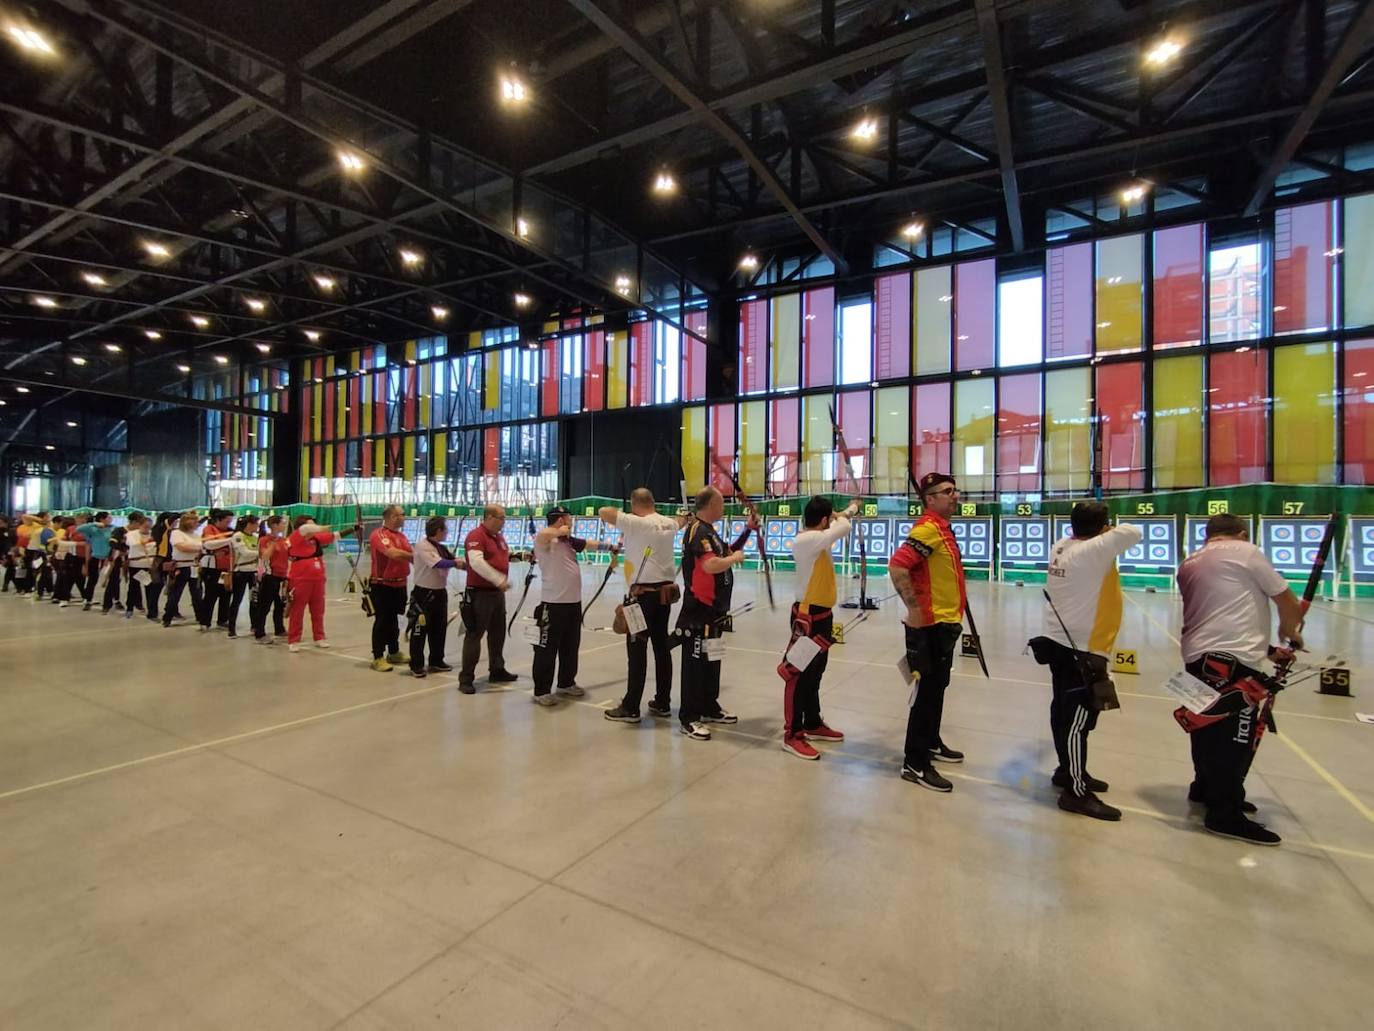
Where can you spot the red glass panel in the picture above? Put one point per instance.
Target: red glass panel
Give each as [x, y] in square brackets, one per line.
[594, 369]
[892, 326]
[694, 359]
[491, 451]
[1302, 267]
[316, 461]
[307, 408]
[1069, 301]
[367, 448]
[641, 364]
[1357, 403]
[1237, 425]
[784, 446]
[975, 314]
[856, 416]
[411, 385]
[930, 435]
[1018, 433]
[722, 449]
[548, 381]
[818, 337]
[1178, 286]
[327, 424]
[753, 346]
[1121, 427]
[379, 402]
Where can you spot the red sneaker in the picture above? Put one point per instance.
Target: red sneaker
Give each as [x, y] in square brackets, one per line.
[824, 733]
[800, 747]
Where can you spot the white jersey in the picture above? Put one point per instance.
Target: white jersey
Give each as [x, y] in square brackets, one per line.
[560, 577]
[1226, 589]
[1082, 582]
[139, 542]
[814, 582]
[186, 549]
[648, 531]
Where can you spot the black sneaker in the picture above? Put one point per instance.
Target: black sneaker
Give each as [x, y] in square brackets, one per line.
[620, 714]
[86, 607]
[418, 674]
[440, 667]
[927, 778]
[1244, 830]
[466, 687]
[720, 717]
[504, 677]
[661, 711]
[1062, 780]
[1088, 805]
[1195, 795]
[942, 753]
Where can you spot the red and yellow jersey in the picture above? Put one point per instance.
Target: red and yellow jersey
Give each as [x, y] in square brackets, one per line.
[931, 555]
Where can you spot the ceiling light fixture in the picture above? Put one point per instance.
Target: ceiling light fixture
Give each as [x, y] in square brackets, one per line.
[522, 300]
[30, 39]
[156, 249]
[94, 278]
[113, 348]
[665, 183]
[1163, 52]
[21, 390]
[865, 131]
[49, 447]
[439, 311]
[313, 335]
[513, 89]
[44, 302]
[749, 262]
[325, 282]
[71, 424]
[199, 321]
[183, 368]
[256, 304]
[410, 257]
[522, 228]
[78, 360]
[221, 359]
[1132, 194]
[913, 229]
[152, 334]
[351, 162]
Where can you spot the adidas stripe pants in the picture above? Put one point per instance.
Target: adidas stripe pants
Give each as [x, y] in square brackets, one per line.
[1071, 720]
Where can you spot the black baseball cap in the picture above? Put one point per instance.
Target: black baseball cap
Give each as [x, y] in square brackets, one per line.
[556, 513]
[932, 480]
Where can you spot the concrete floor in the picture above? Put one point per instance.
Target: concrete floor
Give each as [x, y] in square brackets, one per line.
[203, 833]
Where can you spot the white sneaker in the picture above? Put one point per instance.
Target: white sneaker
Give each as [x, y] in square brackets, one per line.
[545, 700]
[698, 731]
[294, 648]
[321, 643]
[571, 691]
[264, 640]
[62, 604]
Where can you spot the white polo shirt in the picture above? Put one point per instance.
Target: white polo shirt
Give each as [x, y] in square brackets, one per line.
[648, 531]
[1226, 588]
[560, 577]
[1083, 584]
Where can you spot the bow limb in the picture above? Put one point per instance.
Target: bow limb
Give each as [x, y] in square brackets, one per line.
[753, 509]
[863, 546]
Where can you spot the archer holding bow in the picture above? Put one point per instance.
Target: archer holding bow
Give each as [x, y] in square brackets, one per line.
[483, 605]
[559, 612]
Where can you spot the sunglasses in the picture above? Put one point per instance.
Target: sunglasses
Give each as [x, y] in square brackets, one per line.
[943, 491]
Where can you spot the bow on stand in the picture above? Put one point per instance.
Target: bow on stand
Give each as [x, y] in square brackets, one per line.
[1287, 656]
[529, 571]
[615, 552]
[865, 603]
[753, 510]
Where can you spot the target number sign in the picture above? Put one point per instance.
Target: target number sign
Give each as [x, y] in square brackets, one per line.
[1023, 509]
[1124, 661]
[784, 510]
[1292, 508]
[967, 509]
[1220, 507]
[1145, 508]
[1335, 680]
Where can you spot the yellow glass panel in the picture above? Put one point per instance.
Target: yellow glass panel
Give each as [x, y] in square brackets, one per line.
[305, 474]
[694, 447]
[974, 419]
[891, 442]
[438, 455]
[341, 409]
[492, 370]
[327, 466]
[316, 408]
[367, 423]
[786, 341]
[475, 339]
[1358, 261]
[818, 444]
[1120, 266]
[328, 366]
[426, 392]
[551, 327]
[930, 319]
[1305, 414]
[1068, 430]
[1177, 422]
[412, 350]
[379, 458]
[617, 368]
[408, 458]
[752, 445]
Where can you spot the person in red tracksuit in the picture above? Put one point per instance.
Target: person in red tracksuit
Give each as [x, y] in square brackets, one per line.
[305, 579]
